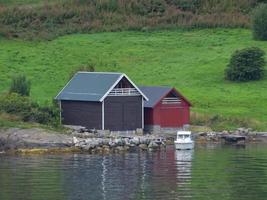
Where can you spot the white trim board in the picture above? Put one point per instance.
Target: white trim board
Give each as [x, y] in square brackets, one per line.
[103, 115]
[119, 79]
[143, 119]
[136, 88]
[111, 88]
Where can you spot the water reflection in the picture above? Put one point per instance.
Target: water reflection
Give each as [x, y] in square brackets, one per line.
[184, 167]
[206, 173]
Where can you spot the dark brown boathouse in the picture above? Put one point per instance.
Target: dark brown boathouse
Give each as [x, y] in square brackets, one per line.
[102, 101]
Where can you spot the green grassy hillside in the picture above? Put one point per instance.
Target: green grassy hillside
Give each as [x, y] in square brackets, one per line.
[192, 61]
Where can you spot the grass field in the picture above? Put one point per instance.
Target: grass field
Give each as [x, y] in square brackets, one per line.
[192, 61]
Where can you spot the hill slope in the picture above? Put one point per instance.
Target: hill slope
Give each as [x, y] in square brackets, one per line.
[192, 61]
[35, 19]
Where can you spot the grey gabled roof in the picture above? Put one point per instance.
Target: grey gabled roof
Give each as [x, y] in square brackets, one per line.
[154, 94]
[91, 86]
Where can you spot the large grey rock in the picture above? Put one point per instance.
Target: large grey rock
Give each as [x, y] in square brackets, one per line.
[135, 141]
[243, 131]
[103, 133]
[118, 142]
[143, 146]
[79, 129]
[153, 145]
[15, 138]
[139, 131]
[83, 135]
[144, 140]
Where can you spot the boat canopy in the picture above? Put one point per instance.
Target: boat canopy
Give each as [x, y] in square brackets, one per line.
[183, 133]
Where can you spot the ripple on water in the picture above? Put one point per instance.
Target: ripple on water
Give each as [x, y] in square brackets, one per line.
[206, 173]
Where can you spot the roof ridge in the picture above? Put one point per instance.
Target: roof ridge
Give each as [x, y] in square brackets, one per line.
[155, 86]
[85, 72]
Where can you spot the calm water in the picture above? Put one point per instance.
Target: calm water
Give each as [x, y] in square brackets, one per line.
[208, 172]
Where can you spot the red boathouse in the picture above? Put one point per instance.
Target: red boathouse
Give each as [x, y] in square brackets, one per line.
[166, 108]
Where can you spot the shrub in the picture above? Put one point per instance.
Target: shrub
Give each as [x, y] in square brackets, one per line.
[259, 22]
[29, 111]
[149, 7]
[46, 115]
[55, 18]
[20, 85]
[245, 65]
[107, 5]
[13, 103]
[185, 5]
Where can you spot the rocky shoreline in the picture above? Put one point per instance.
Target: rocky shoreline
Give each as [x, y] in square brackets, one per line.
[39, 141]
[14, 139]
[247, 133]
[42, 141]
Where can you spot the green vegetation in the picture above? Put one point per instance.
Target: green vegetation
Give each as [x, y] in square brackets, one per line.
[35, 19]
[26, 110]
[18, 2]
[259, 22]
[90, 67]
[20, 85]
[246, 65]
[192, 61]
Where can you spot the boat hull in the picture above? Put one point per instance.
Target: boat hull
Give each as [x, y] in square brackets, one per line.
[184, 146]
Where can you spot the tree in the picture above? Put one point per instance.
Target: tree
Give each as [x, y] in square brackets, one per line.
[246, 64]
[20, 85]
[259, 22]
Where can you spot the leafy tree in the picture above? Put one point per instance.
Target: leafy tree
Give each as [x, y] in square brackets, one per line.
[245, 65]
[20, 85]
[259, 22]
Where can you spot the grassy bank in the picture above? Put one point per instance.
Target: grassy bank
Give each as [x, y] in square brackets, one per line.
[192, 61]
[37, 19]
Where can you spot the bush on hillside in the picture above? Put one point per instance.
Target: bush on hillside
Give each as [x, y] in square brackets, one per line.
[55, 18]
[107, 5]
[259, 22]
[245, 65]
[185, 5]
[46, 115]
[20, 85]
[149, 7]
[14, 103]
[27, 110]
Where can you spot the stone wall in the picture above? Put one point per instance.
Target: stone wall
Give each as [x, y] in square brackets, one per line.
[156, 129]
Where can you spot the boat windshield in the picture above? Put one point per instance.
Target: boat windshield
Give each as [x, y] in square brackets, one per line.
[183, 136]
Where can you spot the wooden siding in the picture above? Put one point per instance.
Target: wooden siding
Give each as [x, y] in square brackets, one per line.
[123, 113]
[149, 116]
[168, 115]
[82, 113]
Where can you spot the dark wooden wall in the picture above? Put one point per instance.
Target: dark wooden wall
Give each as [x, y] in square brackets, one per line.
[82, 113]
[123, 113]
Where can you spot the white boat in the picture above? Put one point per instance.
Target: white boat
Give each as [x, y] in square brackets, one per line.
[184, 140]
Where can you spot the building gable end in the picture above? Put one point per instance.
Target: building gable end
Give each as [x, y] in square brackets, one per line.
[116, 90]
